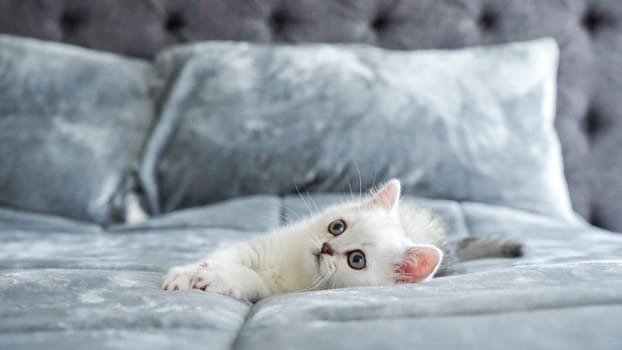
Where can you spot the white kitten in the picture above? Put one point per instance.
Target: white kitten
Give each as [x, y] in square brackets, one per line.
[378, 241]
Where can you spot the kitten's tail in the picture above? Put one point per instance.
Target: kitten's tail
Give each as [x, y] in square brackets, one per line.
[473, 247]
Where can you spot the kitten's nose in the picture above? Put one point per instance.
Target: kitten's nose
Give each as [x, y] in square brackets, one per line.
[326, 249]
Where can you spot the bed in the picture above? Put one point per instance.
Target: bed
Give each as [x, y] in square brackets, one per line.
[72, 277]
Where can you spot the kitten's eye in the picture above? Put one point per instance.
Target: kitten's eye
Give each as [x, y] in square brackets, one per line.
[337, 227]
[356, 259]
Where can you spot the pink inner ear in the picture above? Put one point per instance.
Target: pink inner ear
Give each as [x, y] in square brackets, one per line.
[420, 263]
[387, 197]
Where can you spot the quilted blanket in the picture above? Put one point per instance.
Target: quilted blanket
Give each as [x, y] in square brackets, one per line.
[70, 285]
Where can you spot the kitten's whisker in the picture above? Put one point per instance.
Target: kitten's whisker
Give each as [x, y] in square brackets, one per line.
[318, 282]
[350, 188]
[303, 200]
[358, 170]
[298, 216]
[333, 283]
[373, 182]
[317, 209]
[314, 284]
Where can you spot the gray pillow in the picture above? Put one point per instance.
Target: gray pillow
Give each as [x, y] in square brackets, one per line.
[472, 124]
[73, 124]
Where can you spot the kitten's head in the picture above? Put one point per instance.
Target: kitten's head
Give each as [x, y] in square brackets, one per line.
[364, 244]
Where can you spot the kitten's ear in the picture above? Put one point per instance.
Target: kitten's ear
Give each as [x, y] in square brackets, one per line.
[420, 264]
[386, 197]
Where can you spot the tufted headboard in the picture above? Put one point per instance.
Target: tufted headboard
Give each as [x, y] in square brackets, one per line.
[589, 114]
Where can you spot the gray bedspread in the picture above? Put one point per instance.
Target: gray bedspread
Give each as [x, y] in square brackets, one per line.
[66, 285]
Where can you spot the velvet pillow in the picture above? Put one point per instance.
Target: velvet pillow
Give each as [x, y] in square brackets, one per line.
[474, 124]
[73, 123]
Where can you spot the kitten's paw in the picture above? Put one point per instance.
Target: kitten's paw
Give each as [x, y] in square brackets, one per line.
[178, 278]
[209, 277]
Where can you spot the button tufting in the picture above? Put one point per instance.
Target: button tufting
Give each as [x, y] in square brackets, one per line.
[277, 22]
[70, 21]
[590, 20]
[594, 19]
[488, 20]
[380, 23]
[174, 22]
[590, 124]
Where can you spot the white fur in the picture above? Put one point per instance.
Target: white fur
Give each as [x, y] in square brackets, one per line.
[288, 259]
